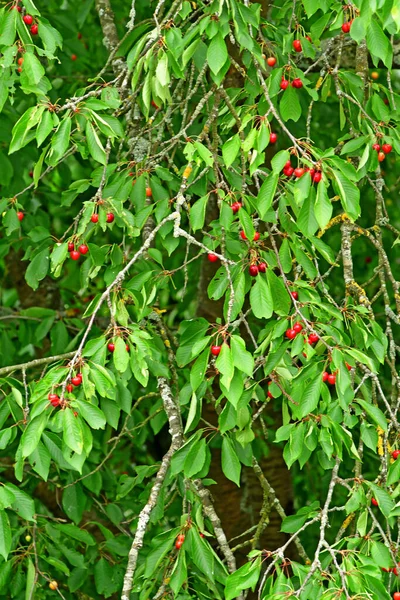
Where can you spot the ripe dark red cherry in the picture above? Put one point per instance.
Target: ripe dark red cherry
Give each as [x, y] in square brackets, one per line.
[317, 177]
[215, 350]
[111, 347]
[375, 503]
[295, 295]
[75, 255]
[290, 333]
[179, 541]
[387, 148]
[297, 83]
[20, 215]
[270, 394]
[20, 61]
[262, 267]
[271, 61]
[76, 380]
[52, 397]
[94, 218]
[34, 29]
[297, 327]
[149, 193]
[332, 379]
[325, 376]
[273, 138]
[376, 147]
[346, 27]
[70, 387]
[299, 172]
[381, 156]
[28, 19]
[396, 595]
[253, 270]
[297, 45]
[256, 236]
[73, 57]
[313, 338]
[284, 84]
[110, 217]
[71, 246]
[83, 249]
[395, 454]
[212, 257]
[127, 347]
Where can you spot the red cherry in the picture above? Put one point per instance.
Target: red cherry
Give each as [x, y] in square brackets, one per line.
[71, 246]
[110, 217]
[19, 69]
[346, 27]
[127, 347]
[332, 379]
[287, 164]
[313, 338]
[52, 397]
[348, 367]
[297, 83]
[31, 174]
[288, 171]
[149, 193]
[94, 218]
[299, 172]
[34, 30]
[376, 147]
[325, 376]
[273, 138]
[83, 249]
[79, 36]
[395, 572]
[256, 236]
[215, 350]
[295, 295]
[271, 61]
[253, 270]
[297, 327]
[212, 257]
[20, 215]
[70, 387]
[297, 45]
[28, 19]
[291, 333]
[262, 267]
[396, 595]
[309, 39]
[236, 206]
[375, 503]
[76, 380]
[154, 105]
[111, 346]
[201, 534]
[387, 148]
[73, 57]
[180, 538]
[381, 156]
[284, 84]
[395, 454]
[243, 235]
[20, 61]
[317, 177]
[75, 255]
[269, 394]
[18, 8]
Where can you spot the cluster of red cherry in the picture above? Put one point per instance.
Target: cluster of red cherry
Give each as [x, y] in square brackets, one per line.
[76, 254]
[386, 149]
[28, 20]
[111, 347]
[55, 399]
[298, 172]
[296, 83]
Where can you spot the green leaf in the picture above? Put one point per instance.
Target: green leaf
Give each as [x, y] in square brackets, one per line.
[261, 301]
[323, 207]
[40, 460]
[21, 133]
[32, 434]
[266, 194]
[5, 530]
[23, 504]
[120, 355]
[378, 44]
[289, 107]
[38, 269]
[60, 141]
[385, 501]
[74, 502]
[242, 358]
[8, 27]
[81, 535]
[230, 150]
[224, 364]
[231, 466]
[95, 146]
[310, 398]
[374, 413]
[279, 160]
[217, 53]
[197, 213]
[349, 194]
[72, 431]
[30, 580]
[204, 154]
[92, 414]
[33, 68]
